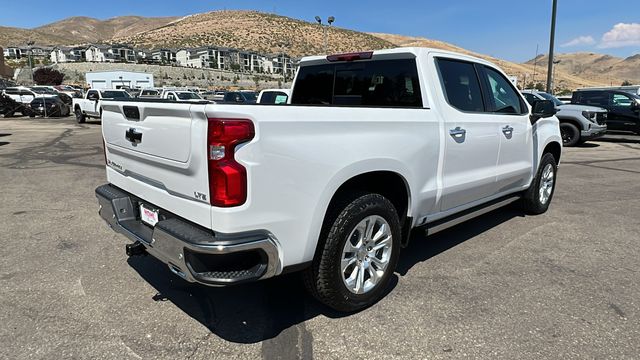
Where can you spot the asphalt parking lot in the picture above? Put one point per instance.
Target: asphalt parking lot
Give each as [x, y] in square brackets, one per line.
[562, 285]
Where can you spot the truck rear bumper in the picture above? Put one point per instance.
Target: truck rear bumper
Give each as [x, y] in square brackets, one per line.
[190, 251]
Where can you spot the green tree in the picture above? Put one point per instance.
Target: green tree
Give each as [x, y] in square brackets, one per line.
[540, 87]
[626, 83]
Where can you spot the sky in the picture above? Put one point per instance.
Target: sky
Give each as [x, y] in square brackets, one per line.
[507, 29]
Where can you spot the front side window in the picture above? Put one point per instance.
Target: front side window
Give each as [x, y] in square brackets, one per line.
[621, 100]
[115, 95]
[461, 85]
[505, 97]
[378, 83]
[92, 95]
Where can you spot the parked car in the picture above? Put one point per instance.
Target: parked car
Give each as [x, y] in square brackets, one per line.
[565, 99]
[623, 107]
[149, 94]
[181, 95]
[50, 90]
[91, 105]
[9, 107]
[240, 97]
[69, 90]
[50, 107]
[333, 183]
[24, 96]
[274, 96]
[578, 123]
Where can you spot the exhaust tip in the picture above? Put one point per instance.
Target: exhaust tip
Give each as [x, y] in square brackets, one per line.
[135, 249]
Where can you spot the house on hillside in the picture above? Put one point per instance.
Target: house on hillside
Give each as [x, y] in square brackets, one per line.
[64, 54]
[111, 53]
[202, 57]
[13, 52]
[164, 56]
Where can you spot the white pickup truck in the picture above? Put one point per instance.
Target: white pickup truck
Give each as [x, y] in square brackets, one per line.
[370, 146]
[91, 105]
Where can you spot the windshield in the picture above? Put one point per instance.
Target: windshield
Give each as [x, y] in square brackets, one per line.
[115, 95]
[555, 100]
[188, 96]
[249, 96]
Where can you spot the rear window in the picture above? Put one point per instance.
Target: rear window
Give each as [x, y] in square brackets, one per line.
[115, 95]
[378, 83]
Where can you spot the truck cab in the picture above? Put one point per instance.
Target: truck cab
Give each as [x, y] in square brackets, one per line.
[91, 105]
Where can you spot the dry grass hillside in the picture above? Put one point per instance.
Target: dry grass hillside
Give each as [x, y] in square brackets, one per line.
[524, 72]
[10, 36]
[89, 30]
[250, 30]
[601, 68]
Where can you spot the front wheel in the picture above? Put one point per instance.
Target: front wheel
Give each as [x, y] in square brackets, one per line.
[537, 198]
[570, 134]
[359, 254]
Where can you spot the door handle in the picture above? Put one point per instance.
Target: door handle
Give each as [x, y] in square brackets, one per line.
[507, 130]
[457, 132]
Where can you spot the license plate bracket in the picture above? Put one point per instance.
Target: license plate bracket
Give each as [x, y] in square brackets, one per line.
[148, 215]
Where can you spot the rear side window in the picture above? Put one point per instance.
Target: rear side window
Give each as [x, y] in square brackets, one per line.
[594, 98]
[378, 83]
[461, 85]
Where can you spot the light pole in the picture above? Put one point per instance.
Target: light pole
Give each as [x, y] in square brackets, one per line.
[330, 21]
[284, 64]
[555, 62]
[552, 38]
[29, 51]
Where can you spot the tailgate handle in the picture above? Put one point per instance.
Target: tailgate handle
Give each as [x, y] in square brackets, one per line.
[133, 135]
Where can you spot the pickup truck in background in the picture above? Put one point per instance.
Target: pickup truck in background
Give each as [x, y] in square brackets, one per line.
[370, 146]
[181, 95]
[90, 106]
[578, 123]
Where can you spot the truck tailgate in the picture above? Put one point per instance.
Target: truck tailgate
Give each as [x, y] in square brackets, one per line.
[158, 149]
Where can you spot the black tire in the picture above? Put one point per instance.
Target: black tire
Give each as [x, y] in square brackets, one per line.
[324, 279]
[570, 134]
[80, 118]
[532, 200]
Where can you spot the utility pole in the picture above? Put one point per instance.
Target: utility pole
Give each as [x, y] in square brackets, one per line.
[552, 38]
[535, 66]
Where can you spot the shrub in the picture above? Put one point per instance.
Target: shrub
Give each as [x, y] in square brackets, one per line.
[48, 76]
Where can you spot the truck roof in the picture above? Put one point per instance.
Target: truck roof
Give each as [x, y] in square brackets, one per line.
[399, 52]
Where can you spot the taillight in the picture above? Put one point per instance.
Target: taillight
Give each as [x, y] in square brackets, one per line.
[351, 56]
[227, 178]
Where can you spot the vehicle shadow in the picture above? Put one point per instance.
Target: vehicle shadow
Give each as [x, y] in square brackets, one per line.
[588, 145]
[422, 248]
[621, 139]
[245, 313]
[2, 143]
[259, 311]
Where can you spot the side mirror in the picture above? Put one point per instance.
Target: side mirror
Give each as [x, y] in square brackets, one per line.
[542, 109]
[635, 105]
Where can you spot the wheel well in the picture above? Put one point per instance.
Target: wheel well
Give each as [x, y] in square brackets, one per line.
[554, 149]
[571, 121]
[386, 183]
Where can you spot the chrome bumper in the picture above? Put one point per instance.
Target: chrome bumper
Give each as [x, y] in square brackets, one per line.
[191, 252]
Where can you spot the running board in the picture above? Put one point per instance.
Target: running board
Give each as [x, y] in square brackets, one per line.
[459, 218]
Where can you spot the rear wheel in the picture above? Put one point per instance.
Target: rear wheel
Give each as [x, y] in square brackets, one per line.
[359, 254]
[80, 118]
[537, 198]
[570, 134]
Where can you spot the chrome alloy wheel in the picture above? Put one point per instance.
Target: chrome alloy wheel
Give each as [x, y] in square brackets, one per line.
[546, 184]
[366, 254]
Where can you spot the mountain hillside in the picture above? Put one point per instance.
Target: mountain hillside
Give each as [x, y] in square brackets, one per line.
[524, 72]
[89, 30]
[10, 36]
[251, 30]
[605, 69]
